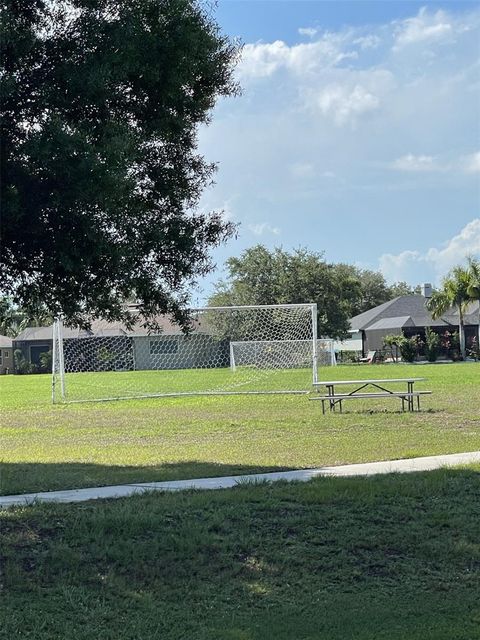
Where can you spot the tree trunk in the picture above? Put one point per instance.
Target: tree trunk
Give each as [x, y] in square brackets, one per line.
[478, 336]
[461, 332]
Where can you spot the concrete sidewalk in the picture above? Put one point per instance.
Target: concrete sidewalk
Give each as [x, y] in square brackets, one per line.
[302, 475]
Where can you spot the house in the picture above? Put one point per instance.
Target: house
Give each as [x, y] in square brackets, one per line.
[32, 342]
[112, 346]
[6, 355]
[408, 316]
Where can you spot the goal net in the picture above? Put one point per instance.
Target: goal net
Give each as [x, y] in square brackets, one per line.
[284, 354]
[227, 350]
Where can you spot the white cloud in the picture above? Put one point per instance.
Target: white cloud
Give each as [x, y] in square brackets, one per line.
[263, 228]
[354, 94]
[467, 164]
[437, 262]
[261, 60]
[302, 170]
[368, 42]
[472, 163]
[308, 31]
[424, 27]
[315, 73]
[411, 162]
[345, 104]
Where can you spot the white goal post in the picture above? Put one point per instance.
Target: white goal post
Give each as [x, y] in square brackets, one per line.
[111, 361]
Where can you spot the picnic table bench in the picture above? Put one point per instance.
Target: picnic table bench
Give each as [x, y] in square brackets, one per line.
[334, 398]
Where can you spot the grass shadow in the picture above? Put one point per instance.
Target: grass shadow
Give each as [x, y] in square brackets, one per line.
[18, 478]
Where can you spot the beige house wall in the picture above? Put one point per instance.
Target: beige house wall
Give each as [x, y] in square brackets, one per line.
[374, 338]
[6, 360]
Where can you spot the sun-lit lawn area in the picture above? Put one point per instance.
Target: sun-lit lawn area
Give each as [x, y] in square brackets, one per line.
[45, 447]
[384, 558]
[394, 557]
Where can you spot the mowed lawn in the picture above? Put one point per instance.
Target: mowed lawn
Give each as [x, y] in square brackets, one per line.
[383, 558]
[45, 447]
[392, 557]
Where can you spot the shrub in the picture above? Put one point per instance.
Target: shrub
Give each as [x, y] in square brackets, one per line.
[46, 361]
[22, 366]
[432, 344]
[450, 342]
[408, 348]
[474, 349]
[393, 342]
[348, 356]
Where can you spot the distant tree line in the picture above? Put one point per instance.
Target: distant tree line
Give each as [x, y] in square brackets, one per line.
[341, 291]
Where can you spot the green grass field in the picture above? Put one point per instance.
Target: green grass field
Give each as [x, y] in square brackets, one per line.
[45, 447]
[385, 558]
[129, 384]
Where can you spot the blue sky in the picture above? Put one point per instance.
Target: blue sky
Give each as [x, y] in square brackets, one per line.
[357, 133]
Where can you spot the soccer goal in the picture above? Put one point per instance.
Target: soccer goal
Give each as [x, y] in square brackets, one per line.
[227, 350]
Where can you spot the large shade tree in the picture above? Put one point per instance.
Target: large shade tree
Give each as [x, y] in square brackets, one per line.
[101, 104]
[261, 276]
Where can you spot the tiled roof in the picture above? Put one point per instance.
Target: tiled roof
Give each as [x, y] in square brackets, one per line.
[392, 323]
[104, 328]
[46, 333]
[413, 307]
[5, 342]
[363, 320]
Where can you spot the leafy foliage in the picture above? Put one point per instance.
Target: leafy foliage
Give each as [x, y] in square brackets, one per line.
[46, 361]
[260, 276]
[22, 365]
[460, 287]
[101, 102]
[473, 350]
[473, 289]
[14, 319]
[474, 293]
[432, 344]
[393, 343]
[408, 348]
[341, 291]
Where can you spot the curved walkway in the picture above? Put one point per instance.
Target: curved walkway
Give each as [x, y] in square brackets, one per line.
[302, 475]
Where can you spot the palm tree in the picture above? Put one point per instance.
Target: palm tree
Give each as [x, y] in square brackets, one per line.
[453, 294]
[10, 318]
[13, 319]
[474, 286]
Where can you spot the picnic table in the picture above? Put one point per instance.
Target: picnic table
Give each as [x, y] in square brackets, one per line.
[382, 390]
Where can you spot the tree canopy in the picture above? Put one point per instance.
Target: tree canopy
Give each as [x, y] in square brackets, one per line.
[341, 291]
[101, 178]
[372, 288]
